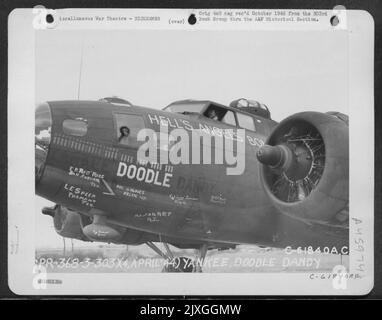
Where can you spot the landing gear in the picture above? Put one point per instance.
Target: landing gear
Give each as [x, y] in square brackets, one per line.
[199, 262]
[179, 264]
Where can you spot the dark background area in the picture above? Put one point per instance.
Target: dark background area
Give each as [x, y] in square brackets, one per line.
[374, 7]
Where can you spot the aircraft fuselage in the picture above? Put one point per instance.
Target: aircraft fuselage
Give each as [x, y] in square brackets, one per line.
[95, 174]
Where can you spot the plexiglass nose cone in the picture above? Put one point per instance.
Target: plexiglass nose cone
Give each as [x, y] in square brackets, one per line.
[43, 127]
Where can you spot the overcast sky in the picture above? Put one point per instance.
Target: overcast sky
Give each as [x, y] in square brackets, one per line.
[288, 71]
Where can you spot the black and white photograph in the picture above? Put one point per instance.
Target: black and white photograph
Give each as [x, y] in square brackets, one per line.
[217, 145]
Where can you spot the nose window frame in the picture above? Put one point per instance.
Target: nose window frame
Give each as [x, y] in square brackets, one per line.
[119, 123]
[75, 127]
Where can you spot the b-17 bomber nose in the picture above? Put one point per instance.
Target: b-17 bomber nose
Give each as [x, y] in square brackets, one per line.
[270, 155]
[43, 127]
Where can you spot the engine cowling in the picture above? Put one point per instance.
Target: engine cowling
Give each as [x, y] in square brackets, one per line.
[67, 223]
[305, 166]
[71, 224]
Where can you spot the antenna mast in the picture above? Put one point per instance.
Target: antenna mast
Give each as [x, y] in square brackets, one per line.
[80, 74]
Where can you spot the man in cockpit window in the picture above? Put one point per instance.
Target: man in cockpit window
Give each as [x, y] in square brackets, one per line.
[124, 135]
[212, 114]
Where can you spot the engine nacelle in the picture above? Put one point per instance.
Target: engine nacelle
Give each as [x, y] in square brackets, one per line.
[70, 224]
[67, 223]
[305, 169]
[102, 232]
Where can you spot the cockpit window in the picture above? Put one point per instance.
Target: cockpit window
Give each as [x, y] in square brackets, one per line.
[229, 118]
[217, 113]
[245, 121]
[186, 108]
[75, 127]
